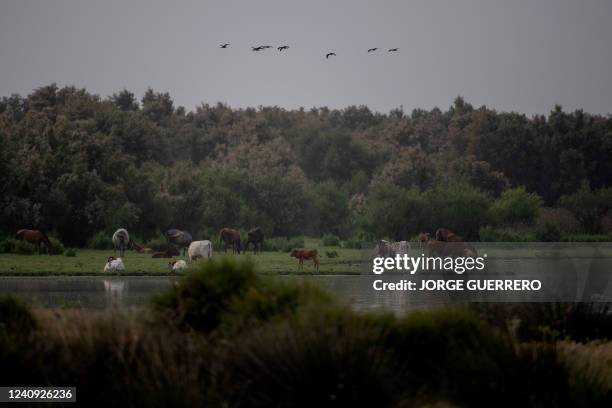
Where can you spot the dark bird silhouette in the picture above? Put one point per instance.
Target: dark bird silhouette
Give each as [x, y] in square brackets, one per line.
[257, 48]
[372, 49]
[224, 45]
[393, 49]
[283, 47]
[329, 54]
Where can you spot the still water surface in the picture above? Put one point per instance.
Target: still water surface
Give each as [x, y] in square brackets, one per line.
[103, 292]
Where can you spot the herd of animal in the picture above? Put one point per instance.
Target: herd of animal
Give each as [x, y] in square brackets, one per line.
[228, 237]
[444, 243]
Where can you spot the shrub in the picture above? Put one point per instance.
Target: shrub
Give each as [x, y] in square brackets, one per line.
[458, 206]
[101, 240]
[229, 294]
[548, 232]
[274, 244]
[587, 238]
[70, 252]
[7, 245]
[330, 240]
[352, 243]
[57, 248]
[203, 295]
[283, 244]
[516, 205]
[158, 243]
[331, 254]
[589, 206]
[382, 360]
[490, 234]
[395, 211]
[562, 217]
[295, 242]
[24, 248]
[15, 319]
[551, 321]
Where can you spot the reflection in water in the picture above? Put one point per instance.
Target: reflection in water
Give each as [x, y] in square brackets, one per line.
[84, 291]
[114, 289]
[102, 293]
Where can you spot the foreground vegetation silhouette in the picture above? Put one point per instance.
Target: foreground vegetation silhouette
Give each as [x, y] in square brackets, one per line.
[224, 336]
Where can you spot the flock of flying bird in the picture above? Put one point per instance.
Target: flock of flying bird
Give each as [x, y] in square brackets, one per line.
[286, 47]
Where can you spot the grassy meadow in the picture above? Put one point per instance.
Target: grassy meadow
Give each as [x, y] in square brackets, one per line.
[334, 260]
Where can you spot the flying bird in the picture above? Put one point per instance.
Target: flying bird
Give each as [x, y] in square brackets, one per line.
[393, 49]
[283, 47]
[372, 49]
[329, 54]
[224, 45]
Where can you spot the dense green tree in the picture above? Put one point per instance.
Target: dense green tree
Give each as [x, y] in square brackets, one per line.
[589, 206]
[516, 205]
[74, 164]
[125, 100]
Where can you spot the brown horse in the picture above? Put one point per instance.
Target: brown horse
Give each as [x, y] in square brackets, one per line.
[446, 235]
[231, 237]
[35, 237]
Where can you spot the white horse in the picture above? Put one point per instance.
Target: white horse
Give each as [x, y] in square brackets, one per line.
[121, 240]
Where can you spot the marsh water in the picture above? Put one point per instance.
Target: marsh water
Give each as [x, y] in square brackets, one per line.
[563, 279]
[94, 292]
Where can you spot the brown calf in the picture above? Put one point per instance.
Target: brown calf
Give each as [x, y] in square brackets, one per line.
[306, 254]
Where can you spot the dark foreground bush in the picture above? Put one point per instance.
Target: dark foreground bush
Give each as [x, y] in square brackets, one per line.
[226, 337]
[226, 293]
[344, 359]
[551, 321]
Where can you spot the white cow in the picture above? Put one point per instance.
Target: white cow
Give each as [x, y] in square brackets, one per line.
[199, 249]
[114, 265]
[176, 265]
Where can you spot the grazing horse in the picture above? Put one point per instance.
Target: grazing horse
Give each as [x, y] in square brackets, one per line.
[256, 237]
[231, 237]
[121, 240]
[35, 237]
[446, 235]
[180, 238]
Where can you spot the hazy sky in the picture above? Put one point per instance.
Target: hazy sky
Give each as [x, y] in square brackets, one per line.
[522, 55]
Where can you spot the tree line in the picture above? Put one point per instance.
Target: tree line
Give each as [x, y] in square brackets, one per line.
[74, 164]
